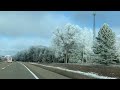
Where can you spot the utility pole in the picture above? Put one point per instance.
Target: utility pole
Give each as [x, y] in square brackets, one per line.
[94, 33]
[83, 51]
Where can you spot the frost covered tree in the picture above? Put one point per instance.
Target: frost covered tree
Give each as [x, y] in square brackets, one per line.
[72, 43]
[40, 54]
[117, 44]
[104, 47]
[64, 41]
[85, 42]
[83, 48]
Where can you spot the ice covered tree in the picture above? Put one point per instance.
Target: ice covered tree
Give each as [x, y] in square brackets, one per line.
[83, 48]
[117, 44]
[40, 54]
[73, 43]
[85, 42]
[31, 53]
[64, 41]
[104, 47]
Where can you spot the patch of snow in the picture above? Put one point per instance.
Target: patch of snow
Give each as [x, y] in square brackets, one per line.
[91, 74]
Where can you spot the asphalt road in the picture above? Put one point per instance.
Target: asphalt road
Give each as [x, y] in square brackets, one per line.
[20, 70]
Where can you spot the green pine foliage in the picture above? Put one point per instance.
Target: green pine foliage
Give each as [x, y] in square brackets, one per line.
[104, 46]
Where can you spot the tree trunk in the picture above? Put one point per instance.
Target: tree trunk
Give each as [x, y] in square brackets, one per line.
[66, 57]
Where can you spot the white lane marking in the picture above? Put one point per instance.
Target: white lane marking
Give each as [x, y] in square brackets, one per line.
[3, 67]
[30, 71]
[6, 66]
[79, 72]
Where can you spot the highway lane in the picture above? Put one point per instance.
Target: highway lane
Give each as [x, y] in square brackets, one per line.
[3, 64]
[45, 74]
[14, 71]
[18, 70]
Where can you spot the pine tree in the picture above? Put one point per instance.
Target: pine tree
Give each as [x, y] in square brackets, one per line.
[104, 45]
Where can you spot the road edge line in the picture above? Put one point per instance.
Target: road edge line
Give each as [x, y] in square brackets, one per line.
[94, 75]
[30, 71]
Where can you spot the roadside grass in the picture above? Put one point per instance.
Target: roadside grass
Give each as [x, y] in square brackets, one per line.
[63, 72]
[111, 71]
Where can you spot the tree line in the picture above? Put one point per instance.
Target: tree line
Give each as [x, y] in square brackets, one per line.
[72, 44]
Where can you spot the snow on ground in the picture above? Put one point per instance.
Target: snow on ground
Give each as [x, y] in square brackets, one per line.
[91, 74]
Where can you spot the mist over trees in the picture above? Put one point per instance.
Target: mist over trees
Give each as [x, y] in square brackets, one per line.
[73, 44]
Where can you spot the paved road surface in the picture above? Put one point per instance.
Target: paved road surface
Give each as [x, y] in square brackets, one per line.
[18, 70]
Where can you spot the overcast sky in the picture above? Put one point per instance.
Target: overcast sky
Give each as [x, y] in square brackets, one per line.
[22, 29]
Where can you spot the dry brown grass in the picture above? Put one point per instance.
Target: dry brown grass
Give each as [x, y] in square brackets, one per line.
[111, 71]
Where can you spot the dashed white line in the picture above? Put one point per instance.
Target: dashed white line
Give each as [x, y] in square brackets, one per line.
[30, 71]
[3, 67]
[6, 66]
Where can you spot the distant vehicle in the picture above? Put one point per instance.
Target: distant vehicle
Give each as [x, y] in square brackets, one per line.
[8, 58]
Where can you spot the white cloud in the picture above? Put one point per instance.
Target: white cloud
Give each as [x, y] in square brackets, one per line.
[19, 30]
[22, 24]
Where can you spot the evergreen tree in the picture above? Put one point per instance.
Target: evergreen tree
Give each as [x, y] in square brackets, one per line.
[104, 46]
